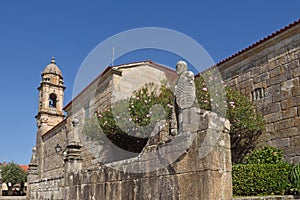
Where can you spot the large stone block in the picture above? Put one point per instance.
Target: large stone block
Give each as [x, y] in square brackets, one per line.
[285, 104]
[284, 124]
[262, 77]
[289, 113]
[273, 117]
[271, 108]
[295, 141]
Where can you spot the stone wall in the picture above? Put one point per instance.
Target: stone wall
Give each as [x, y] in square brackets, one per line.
[115, 84]
[52, 188]
[193, 175]
[201, 169]
[268, 74]
[53, 162]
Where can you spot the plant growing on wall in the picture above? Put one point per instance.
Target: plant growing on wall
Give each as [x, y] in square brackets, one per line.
[134, 116]
[129, 123]
[295, 179]
[246, 124]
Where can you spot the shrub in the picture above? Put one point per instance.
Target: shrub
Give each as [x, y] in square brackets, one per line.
[267, 155]
[295, 179]
[260, 179]
[128, 123]
[135, 116]
[246, 124]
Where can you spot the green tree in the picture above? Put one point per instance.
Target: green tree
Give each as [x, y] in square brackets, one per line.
[135, 116]
[13, 173]
[246, 123]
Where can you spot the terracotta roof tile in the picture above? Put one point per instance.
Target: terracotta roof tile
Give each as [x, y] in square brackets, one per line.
[260, 41]
[255, 44]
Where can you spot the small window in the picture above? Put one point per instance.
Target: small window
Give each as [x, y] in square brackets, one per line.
[52, 100]
[258, 93]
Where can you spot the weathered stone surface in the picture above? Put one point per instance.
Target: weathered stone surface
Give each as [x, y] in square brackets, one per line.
[273, 67]
[272, 108]
[285, 104]
[295, 141]
[273, 117]
[287, 123]
[189, 177]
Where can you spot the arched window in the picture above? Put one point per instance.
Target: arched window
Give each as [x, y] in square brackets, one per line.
[52, 100]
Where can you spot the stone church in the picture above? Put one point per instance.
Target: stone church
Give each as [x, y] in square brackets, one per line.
[268, 72]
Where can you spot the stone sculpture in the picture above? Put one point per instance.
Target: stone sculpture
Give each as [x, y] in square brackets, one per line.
[184, 98]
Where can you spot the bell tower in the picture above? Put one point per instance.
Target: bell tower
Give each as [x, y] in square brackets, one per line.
[51, 96]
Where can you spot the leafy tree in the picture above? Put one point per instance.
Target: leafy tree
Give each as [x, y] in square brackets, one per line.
[135, 116]
[13, 173]
[246, 124]
[128, 123]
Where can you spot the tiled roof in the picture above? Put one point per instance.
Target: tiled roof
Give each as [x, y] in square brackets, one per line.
[260, 41]
[297, 22]
[119, 66]
[24, 167]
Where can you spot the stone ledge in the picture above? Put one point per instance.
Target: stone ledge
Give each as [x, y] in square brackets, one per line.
[279, 197]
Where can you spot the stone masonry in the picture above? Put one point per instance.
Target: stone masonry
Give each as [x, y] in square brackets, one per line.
[189, 177]
[74, 172]
[268, 73]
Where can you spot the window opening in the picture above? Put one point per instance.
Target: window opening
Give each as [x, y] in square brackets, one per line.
[52, 100]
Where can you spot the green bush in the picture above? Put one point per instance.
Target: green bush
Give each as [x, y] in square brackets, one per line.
[260, 179]
[267, 155]
[129, 123]
[264, 173]
[246, 124]
[295, 179]
[134, 116]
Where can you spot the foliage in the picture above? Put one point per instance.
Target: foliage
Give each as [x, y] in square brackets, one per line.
[295, 179]
[264, 173]
[129, 123]
[260, 179]
[137, 115]
[13, 173]
[202, 93]
[144, 104]
[267, 155]
[246, 124]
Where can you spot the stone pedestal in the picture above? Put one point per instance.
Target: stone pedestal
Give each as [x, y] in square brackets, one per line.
[32, 176]
[73, 158]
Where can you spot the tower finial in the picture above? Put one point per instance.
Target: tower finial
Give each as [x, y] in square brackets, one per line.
[53, 60]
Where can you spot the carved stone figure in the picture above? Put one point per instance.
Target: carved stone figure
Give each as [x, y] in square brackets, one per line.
[184, 98]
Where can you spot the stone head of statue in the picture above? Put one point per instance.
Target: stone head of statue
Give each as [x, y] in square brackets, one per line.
[181, 67]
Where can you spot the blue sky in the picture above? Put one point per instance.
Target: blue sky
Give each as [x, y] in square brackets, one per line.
[31, 32]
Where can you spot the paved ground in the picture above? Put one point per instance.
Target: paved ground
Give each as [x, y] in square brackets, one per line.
[13, 197]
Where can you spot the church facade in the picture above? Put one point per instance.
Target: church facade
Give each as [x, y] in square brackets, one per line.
[58, 141]
[268, 72]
